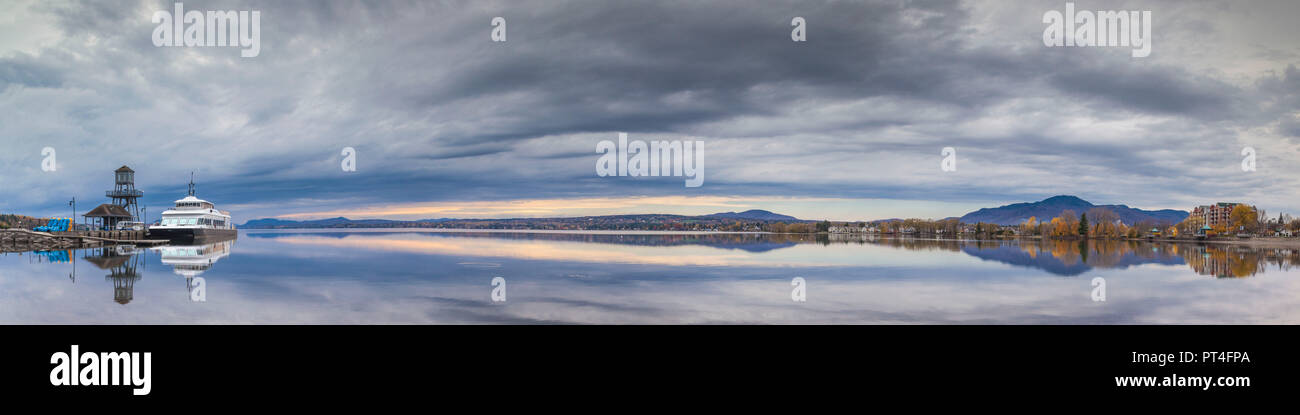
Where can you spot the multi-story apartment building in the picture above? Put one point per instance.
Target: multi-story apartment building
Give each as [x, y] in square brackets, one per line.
[1216, 214]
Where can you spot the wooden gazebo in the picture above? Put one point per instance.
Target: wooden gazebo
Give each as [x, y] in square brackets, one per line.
[107, 216]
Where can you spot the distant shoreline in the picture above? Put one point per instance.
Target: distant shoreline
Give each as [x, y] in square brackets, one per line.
[463, 230]
[1263, 242]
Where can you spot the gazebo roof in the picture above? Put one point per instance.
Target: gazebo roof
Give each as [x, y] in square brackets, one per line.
[108, 262]
[108, 211]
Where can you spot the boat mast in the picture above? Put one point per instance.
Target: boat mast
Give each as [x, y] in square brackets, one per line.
[191, 183]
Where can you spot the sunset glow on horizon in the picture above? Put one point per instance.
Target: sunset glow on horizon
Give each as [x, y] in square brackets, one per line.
[800, 207]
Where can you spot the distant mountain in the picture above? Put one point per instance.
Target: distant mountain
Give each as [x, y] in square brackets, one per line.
[1051, 207]
[714, 221]
[892, 220]
[755, 214]
[320, 223]
[268, 223]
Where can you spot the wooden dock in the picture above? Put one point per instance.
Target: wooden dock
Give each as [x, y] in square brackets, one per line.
[18, 240]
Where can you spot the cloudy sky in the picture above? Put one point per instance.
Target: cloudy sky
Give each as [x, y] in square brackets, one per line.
[847, 125]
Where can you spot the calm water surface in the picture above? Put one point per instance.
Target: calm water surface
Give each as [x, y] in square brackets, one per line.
[374, 276]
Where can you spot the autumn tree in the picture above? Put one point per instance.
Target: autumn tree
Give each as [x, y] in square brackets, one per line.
[1105, 220]
[1191, 225]
[1065, 224]
[1244, 218]
[949, 226]
[1029, 226]
[1261, 220]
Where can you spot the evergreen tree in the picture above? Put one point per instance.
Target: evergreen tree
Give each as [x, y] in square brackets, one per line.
[1083, 225]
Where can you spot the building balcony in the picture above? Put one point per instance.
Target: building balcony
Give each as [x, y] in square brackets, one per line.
[124, 193]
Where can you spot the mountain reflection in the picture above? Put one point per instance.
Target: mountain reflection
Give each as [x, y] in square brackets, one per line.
[1058, 257]
[1071, 258]
[750, 242]
[396, 277]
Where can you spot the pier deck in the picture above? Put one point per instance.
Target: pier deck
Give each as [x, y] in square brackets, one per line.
[23, 239]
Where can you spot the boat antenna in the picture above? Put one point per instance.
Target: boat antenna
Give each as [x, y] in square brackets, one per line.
[191, 183]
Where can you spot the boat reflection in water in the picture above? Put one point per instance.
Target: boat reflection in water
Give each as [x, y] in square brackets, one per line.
[126, 263]
[190, 261]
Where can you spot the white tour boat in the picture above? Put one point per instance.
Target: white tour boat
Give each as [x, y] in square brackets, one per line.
[192, 219]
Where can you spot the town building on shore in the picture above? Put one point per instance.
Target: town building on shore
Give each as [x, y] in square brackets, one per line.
[852, 229]
[1216, 214]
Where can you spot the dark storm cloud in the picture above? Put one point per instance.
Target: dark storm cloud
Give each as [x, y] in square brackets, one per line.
[23, 70]
[598, 66]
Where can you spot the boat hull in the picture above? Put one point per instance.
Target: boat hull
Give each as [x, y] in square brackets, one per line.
[194, 234]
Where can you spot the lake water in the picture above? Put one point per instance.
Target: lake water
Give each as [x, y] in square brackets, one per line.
[372, 276]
